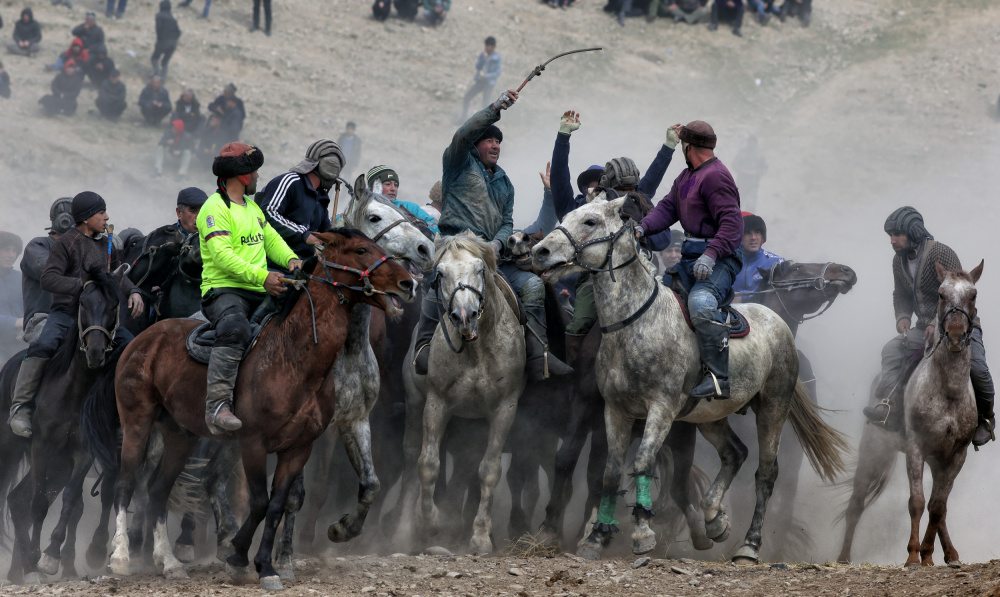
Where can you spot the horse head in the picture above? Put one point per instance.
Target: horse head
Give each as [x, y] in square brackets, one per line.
[363, 272]
[587, 240]
[520, 245]
[98, 316]
[464, 269]
[803, 288]
[394, 229]
[957, 306]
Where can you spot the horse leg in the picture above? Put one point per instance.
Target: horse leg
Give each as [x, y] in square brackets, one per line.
[658, 422]
[681, 440]
[177, 445]
[875, 461]
[97, 553]
[517, 474]
[68, 555]
[770, 421]
[184, 545]
[50, 473]
[357, 441]
[915, 475]
[18, 501]
[429, 464]
[937, 510]
[255, 467]
[289, 469]
[283, 559]
[489, 475]
[318, 473]
[217, 474]
[136, 426]
[732, 454]
[72, 499]
[619, 434]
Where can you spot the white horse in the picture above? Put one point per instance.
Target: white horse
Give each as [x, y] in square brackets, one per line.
[647, 364]
[476, 371]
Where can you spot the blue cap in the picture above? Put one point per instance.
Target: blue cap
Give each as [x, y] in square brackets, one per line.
[192, 197]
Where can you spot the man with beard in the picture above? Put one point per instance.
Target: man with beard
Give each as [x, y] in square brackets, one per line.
[236, 242]
[11, 305]
[705, 200]
[385, 181]
[297, 203]
[478, 196]
[915, 291]
[755, 258]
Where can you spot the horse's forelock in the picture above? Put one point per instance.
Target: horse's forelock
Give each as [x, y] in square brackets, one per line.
[469, 244]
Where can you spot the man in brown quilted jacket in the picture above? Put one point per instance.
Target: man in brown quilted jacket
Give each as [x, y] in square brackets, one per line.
[916, 292]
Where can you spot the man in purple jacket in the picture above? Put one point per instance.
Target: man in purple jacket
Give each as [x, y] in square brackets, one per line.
[705, 200]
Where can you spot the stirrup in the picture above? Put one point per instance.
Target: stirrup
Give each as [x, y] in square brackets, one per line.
[884, 423]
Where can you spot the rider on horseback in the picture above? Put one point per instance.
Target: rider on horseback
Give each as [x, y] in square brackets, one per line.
[236, 242]
[705, 200]
[916, 291]
[384, 181]
[78, 252]
[478, 196]
[754, 256]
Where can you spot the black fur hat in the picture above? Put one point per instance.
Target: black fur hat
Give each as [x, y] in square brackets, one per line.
[237, 159]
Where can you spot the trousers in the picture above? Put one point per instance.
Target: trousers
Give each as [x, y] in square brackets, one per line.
[229, 312]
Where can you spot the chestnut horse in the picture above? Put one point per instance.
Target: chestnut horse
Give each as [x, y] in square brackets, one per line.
[285, 396]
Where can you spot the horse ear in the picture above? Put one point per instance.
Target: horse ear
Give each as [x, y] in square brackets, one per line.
[941, 272]
[328, 238]
[765, 273]
[977, 271]
[359, 186]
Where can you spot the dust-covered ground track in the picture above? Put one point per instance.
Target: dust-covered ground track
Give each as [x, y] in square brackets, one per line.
[876, 105]
[563, 576]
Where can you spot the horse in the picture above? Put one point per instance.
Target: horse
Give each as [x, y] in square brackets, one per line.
[285, 397]
[357, 370]
[646, 372]
[58, 457]
[476, 371]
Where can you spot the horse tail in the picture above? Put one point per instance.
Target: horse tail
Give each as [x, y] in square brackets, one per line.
[13, 450]
[188, 495]
[99, 421]
[824, 446]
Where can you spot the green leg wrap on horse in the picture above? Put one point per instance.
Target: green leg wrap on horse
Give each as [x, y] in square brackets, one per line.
[606, 513]
[642, 485]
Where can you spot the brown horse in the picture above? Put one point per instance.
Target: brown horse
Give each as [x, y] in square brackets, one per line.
[285, 396]
[941, 414]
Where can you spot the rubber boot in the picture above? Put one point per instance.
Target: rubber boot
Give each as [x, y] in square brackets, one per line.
[540, 364]
[987, 421]
[223, 367]
[574, 344]
[425, 333]
[28, 379]
[713, 346]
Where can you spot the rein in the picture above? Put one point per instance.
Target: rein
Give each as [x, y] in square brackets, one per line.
[776, 288]
[966, 338]
[451, 301]
[382, 232]
[606, 265]
[110, 334]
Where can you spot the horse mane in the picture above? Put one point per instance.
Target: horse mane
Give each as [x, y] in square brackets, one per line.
[466, 241]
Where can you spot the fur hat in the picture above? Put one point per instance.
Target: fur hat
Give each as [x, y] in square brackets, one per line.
[491, 133]
[237, 159]
[753, 222]
[86, 204]
[435, 194]
[907, 220]
[699, 134]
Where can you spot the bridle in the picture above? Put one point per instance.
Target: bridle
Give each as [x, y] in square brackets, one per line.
[109, 333]
[966, 338]
[451, 301]
[606, 265]
[382, 232]
[818, 283]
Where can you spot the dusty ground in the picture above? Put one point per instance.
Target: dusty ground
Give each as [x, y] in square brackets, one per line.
[561, 576]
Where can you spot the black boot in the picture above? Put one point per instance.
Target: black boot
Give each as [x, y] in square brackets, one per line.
[540, 363]
[425, 332]
[887, 412]
[574, 344]
[713, 345]
[987, 421]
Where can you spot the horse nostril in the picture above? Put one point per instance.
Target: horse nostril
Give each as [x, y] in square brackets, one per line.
[542, 252]
[455, 318]
[473, 314]
[407, 285]
[423, 251]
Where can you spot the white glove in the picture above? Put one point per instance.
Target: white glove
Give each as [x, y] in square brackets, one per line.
[703, 267]
[497, 247]
[569, 122]
[672, 138]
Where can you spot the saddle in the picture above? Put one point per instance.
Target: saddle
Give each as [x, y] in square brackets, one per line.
[201, 340]
[739, 326]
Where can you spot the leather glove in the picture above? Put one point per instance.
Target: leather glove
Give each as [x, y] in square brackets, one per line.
[672, 138]
[569, 122]
[703, 267]
[504, 101]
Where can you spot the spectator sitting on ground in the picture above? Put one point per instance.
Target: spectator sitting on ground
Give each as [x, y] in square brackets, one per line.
[381, 9]
[27, 35]
[689, 11]
[65, 88]
[729, 11]
[99, 65]
[111, 96]
[211, 139]
[764, 10]
[796, 8]
[76, 52]
[231, 109]
[4, 82]
[177, 144]
[188, 109]
[89, 32]
[167, 36]
[435, 11]
[350, 144]
[154, 101]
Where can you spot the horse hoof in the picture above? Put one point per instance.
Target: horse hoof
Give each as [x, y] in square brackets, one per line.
[718, 528]
[702, 542]
[32, 578]
[184, 553]
[338, 533]
[547, 536]
[223, 552]
[48, 565]
[286, 574]
[746, 556]
[589, 552]
[239, 572]
[118, 566]
[643, 544]
[97, 556]
[740, 561]
[271, 583]
[483, 547]
[175, 573]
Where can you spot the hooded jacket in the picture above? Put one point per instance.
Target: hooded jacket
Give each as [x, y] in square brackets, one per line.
[81, 58]
[90, 37]
[295, 209]
[167, 30]
[30, 31]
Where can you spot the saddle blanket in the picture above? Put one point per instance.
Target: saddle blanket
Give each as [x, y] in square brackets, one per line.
[200, 341]
[739, 327]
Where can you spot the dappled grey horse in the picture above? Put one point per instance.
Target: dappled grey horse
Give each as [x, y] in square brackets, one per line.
[476, 371]
[648, 362]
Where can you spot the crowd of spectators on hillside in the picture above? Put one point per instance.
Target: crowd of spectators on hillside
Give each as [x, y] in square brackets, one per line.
[692, 12]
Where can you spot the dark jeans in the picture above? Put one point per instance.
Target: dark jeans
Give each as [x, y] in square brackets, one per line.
[110, 109]
[267, 14]
[478, 87]
[111, 8]
[56, 326]
[721, 12]
[229, 312]
[162, 54]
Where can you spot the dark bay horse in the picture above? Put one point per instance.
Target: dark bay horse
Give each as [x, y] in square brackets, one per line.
[284, 396]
